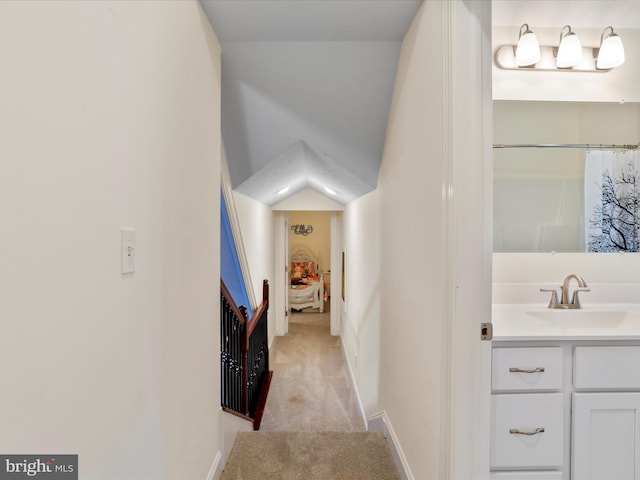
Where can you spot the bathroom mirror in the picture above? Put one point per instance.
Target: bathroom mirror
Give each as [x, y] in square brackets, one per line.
[539, 194]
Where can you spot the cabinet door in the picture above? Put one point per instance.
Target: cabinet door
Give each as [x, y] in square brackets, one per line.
[606, 436]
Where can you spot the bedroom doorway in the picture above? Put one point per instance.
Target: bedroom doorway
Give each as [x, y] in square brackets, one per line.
[309, 260]
[318, 234]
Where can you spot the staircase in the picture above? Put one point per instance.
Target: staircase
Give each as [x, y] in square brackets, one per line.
[244, 357]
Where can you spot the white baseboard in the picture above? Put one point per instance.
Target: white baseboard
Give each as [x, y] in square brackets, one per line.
[354, 386]
[231, 425]
[216, 467]
[380, 422]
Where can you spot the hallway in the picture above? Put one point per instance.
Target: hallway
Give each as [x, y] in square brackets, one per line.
[311, 389]
[311, 429]
[114, 112]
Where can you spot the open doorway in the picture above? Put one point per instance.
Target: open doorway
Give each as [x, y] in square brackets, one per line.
[308, 251]
[310, 261]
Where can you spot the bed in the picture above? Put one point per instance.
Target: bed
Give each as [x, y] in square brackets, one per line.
[306, 289]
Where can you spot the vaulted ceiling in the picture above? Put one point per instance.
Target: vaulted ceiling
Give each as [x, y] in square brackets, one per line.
[307, 84]
[306, 91]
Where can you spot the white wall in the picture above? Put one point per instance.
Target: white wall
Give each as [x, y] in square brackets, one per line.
[552, 268]
[619, 84]
[361, 319]
[308, 199]
[410, 188]
[110, 118]
[435, 281]
[257, 226]
[318, 241]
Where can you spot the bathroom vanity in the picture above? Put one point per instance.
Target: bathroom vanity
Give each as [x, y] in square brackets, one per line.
[565, 392]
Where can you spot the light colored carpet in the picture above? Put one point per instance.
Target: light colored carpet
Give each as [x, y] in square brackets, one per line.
[310, 456]
[311, 429]
[311, 388]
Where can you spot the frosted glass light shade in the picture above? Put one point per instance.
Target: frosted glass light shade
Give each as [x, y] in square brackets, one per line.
[611, 52]
[570, 50]
[528, 49]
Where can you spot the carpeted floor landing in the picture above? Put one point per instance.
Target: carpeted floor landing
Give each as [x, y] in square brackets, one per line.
[312, 428]
[311, 387]
[310, 456]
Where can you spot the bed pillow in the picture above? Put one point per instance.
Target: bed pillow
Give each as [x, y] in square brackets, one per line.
[308, 268]
[302, 269]
[297, 270]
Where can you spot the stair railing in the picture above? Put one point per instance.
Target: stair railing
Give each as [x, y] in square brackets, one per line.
[244, 357]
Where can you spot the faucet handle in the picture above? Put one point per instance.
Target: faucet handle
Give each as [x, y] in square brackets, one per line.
[554, 296]
[575, 300]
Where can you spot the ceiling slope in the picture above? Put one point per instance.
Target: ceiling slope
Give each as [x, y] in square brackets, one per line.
[306, 91]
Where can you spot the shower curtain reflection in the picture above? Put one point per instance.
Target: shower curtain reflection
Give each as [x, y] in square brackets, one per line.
[611, 191]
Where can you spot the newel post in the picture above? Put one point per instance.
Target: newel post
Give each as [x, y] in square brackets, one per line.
[265, 292]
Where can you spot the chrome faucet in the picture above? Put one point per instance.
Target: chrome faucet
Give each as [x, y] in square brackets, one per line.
[564, 295]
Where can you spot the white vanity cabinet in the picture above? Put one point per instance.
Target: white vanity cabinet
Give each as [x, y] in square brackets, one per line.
[528, 413]
[565, 410]
[606, 413]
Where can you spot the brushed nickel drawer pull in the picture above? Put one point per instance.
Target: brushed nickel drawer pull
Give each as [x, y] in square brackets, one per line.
[533, 370]
[515, 431]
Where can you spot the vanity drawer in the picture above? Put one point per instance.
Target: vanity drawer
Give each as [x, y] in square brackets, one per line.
[526, 413]
[515, 369]
[606, 367]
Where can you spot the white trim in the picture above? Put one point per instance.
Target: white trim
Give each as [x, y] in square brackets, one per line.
[449, 257]
[380, 422]
[215, 466]
[281, 308]
[354, 386]
[336, 274]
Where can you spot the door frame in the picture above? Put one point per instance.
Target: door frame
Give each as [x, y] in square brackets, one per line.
[282, 259]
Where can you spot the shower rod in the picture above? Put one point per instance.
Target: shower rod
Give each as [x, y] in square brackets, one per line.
[588, 146]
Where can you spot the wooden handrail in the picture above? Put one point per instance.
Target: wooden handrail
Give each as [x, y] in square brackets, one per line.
[260, 310]
[252, 373]
[242, 315]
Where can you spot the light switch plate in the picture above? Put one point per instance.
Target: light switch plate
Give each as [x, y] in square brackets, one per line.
[128, 250]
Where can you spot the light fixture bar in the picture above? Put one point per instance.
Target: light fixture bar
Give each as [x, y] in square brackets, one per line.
[568, 56]
[505, 59]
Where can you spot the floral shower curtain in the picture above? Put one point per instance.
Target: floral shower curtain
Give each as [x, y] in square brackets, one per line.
[611, 191]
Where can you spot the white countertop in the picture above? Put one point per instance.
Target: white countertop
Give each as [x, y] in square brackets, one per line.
[598, 321]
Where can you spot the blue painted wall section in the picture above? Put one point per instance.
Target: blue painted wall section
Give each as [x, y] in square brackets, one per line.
[230, 270]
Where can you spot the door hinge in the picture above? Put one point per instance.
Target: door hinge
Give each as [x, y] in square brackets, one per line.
[486, 331]
[286, 313]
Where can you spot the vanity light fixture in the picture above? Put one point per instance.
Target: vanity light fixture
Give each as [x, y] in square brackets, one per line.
[528, 48]
[569, 56]
[570, 49]
[611, 51]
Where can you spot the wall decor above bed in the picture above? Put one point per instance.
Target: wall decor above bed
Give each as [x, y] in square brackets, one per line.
[301, 229]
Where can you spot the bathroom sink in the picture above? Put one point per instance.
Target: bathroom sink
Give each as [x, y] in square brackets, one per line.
[586, 319]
